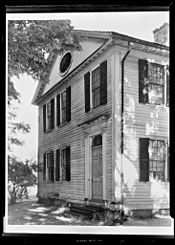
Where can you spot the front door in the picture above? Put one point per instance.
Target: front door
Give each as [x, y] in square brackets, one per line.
[97, 180]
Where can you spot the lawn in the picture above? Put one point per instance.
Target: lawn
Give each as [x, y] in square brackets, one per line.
[31, 213]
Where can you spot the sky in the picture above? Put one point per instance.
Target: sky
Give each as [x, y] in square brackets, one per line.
[136, 24]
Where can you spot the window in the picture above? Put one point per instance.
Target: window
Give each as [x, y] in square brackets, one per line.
[95, 87]
[152, 83]
[48, 115]
[157, 158]
[64, 106]
[63, 164]
[48, 167]
[153, 160]
[65, 63]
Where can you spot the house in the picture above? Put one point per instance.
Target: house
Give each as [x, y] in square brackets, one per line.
[104, 123]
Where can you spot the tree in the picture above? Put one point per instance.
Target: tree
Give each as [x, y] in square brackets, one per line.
[31, 45]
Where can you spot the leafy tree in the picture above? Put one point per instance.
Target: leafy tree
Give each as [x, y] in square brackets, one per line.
[31, 47]
[29, 44]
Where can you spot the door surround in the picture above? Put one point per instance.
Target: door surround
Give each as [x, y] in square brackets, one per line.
[88, 162]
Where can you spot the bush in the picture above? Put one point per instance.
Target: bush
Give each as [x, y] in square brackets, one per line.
[20, 176]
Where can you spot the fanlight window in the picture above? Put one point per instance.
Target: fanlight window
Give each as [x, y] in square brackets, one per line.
[97, 141]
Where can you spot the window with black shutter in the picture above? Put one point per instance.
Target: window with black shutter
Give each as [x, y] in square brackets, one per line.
[48, 116]
[48, 166]
[64, 106]
[151, 82]
[95, 84]
[63, 164]
[153, 156]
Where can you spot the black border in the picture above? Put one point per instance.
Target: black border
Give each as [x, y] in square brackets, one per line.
[38, 6]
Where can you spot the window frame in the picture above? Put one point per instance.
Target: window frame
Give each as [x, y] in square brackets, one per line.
[149, 82]
[91, 93]
[49, 168]
[164, 161]
[61, 180]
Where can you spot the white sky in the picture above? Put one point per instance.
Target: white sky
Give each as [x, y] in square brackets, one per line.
[136, 24]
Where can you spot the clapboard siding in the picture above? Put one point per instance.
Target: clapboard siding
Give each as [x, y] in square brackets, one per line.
[70, 134]
[141, 120]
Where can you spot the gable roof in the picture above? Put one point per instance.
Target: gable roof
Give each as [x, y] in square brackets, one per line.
[108, 38]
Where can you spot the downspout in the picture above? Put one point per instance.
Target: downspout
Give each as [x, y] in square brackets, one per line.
[122, 125]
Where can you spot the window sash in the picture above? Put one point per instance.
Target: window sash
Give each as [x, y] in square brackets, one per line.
[95, 84]
[157, 159]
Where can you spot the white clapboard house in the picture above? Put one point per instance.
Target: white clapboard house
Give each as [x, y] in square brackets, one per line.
[104, 123]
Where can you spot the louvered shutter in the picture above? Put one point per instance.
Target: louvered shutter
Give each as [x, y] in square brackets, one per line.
[58, 109]
[57, 165]
[44, 167]
[87, 91]
[103, 83]
[167, 85]
[44, 118]
[68, 103]
[52, 113]
[168, 163]
[143, 86]
[144, 159]
[68, 164]
[52, 166]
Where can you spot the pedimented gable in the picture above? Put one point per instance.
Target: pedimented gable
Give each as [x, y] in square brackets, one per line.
[89, 46]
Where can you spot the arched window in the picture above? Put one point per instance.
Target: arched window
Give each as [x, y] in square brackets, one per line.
[97, 141]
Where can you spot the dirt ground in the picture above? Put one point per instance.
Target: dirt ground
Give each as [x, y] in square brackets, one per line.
[31, 213]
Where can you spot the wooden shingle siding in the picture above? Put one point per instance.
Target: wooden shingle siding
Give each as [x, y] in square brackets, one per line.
[72, 135]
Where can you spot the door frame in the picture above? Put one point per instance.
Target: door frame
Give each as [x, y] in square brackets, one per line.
[88, 164]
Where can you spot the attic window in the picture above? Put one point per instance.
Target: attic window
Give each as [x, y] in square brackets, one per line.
[65, 63]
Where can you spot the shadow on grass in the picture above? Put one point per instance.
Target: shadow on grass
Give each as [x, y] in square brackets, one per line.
[32, 213]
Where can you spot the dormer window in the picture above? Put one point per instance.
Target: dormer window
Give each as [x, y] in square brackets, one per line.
[65, 63]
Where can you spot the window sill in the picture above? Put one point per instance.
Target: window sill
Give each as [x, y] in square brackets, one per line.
[48, 131]
[63, 124]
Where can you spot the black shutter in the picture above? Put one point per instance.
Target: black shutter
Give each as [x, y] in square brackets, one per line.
[103, 83]
[87, 91]
[57, 165]
[68, 103]
[44, 118]
[52, 113]
[44, 167]
[58, 109]
[68, 163]
[52, 166]
[144, 159]
[167, 85]
[168, 163]
[143, 87]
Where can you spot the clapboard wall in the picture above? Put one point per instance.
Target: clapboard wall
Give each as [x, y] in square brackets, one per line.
[142, 121]
[72, 135]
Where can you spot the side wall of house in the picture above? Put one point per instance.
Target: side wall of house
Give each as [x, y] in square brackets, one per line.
[141, 121]
[72, 135]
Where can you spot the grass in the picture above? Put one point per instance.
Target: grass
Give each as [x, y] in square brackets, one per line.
[31, 213]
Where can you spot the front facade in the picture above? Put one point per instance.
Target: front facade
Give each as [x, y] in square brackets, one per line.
[87, 154]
